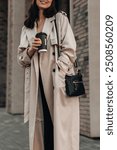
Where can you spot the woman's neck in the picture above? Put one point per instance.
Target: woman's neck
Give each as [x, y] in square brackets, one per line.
[41, 16]
[40, 22]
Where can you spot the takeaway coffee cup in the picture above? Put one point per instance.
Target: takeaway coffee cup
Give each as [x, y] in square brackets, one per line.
[43, 46]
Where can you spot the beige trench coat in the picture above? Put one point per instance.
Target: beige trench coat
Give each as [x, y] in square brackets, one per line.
[64, 110]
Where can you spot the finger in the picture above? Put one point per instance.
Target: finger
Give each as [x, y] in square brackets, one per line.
[37, 39]
[37, 42]
[36, 45]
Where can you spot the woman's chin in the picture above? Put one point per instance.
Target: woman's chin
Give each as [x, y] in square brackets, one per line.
[43, 5]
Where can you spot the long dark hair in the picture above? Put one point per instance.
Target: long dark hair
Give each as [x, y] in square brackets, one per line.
[33, 14]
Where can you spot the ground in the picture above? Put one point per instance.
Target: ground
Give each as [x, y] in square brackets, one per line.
[14, 134]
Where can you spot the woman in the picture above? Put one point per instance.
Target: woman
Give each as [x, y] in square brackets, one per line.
[53, 116]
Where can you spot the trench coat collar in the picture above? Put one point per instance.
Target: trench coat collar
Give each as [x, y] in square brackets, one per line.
[47, 28]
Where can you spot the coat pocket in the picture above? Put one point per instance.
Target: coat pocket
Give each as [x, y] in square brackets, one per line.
[59, 77]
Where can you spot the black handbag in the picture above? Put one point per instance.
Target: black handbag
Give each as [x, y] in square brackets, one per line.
[73, 83]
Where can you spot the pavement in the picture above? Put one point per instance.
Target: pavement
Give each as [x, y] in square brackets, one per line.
[14, 134]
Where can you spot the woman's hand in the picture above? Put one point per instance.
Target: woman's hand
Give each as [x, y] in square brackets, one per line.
[37, 42]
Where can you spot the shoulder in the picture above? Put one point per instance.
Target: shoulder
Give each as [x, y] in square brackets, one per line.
[61, 14]
[24, 28]
[61, 17]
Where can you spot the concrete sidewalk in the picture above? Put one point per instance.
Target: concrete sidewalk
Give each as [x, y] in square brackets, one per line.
[14, 134]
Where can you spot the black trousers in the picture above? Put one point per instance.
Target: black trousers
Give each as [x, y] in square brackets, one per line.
[48, 125]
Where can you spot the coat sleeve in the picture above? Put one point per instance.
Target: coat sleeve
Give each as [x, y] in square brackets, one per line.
[68, 45]
[22, 56]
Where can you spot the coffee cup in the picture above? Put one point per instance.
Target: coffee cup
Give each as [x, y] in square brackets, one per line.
[43, 46]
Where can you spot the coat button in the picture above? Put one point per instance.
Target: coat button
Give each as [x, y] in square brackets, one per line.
[53, 53]
[53, 70]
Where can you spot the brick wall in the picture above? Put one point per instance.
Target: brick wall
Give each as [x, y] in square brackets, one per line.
[3, 50]
[80, 13]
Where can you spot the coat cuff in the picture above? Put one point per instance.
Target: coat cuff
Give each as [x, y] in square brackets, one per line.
[24, 58]
[64, 64]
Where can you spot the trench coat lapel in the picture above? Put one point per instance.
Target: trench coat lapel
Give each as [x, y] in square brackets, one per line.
[47, 28]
